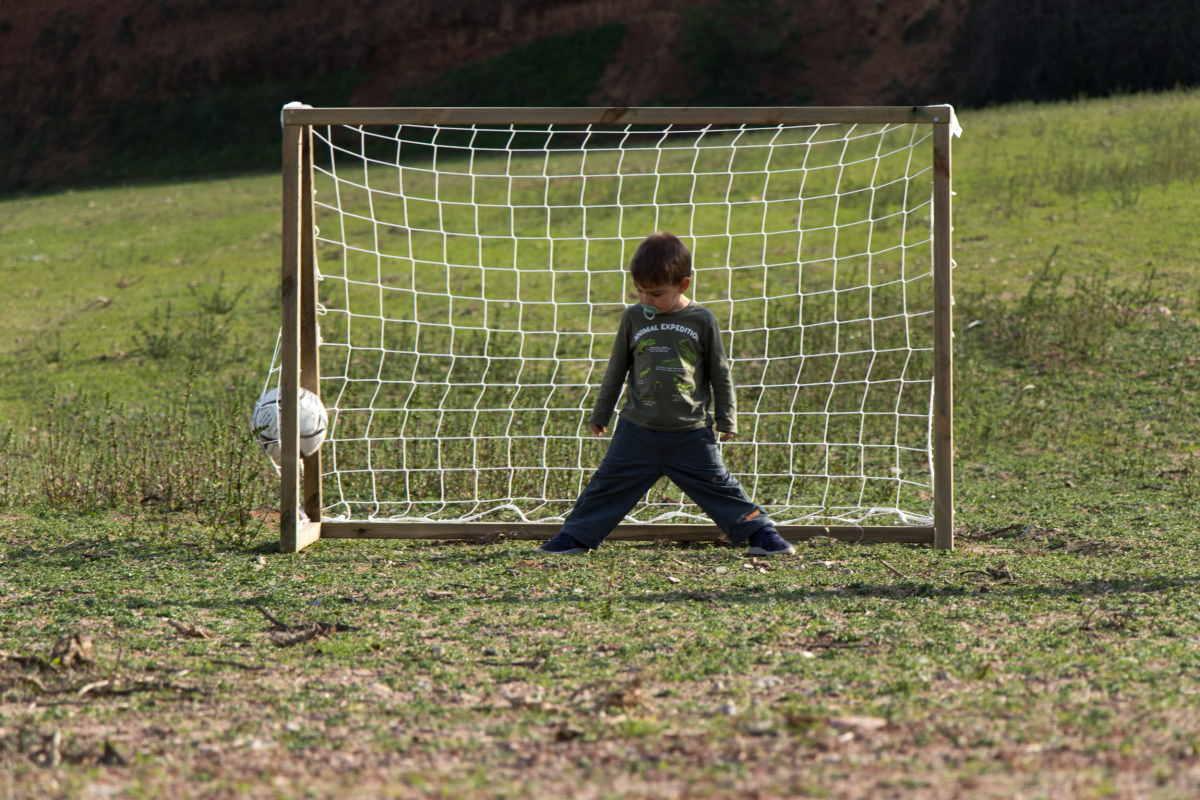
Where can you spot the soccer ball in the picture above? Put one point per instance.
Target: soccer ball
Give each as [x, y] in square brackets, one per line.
[264, 423]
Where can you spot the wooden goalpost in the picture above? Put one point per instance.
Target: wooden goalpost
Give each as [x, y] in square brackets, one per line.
[301, 477]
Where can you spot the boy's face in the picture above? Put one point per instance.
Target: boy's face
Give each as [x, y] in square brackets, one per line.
[665, 298]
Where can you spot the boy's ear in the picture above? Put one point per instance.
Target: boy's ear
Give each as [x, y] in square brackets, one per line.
[685, 282]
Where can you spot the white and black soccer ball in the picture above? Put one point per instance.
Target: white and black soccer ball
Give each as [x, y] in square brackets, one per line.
[265, 424]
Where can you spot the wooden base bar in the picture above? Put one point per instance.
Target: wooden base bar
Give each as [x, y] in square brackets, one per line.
[534, 531]
[306, 534]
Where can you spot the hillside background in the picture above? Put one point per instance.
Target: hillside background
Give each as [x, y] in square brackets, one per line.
[141, 89]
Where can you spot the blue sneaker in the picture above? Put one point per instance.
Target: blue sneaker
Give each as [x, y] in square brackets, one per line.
[768, 542]
[562, 545]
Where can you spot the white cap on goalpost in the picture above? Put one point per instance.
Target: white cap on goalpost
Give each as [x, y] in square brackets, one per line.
[292, 104]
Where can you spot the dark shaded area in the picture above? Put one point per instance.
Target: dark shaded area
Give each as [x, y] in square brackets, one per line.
[197, 124]
[901, 590]
[122, 91]
[222, 131]
[103, 95]
[729, 48]
[1062, 49]
[554, 71]
[749, 596]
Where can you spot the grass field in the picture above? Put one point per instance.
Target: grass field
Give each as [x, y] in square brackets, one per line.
[152, 643]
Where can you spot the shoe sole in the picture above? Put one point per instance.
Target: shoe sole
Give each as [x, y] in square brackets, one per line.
[758, 551]
[574, 551]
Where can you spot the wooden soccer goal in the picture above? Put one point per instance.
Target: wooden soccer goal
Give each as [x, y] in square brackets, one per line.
[452, 278]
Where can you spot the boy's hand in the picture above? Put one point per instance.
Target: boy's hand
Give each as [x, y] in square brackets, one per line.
[598, 430]
[726, 436]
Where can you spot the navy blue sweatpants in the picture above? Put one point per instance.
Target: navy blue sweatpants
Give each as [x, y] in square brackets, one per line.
[636, 458]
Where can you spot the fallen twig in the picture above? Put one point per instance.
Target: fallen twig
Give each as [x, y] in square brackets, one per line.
[998, 573]
[894, 571]
[191, 631]
[238, 664]
[317, 630]
[274, 620]
[32, 661]
[114, 688]
[41, 687]
[301, 633]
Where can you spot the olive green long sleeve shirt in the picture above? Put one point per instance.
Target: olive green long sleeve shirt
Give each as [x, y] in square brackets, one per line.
[674, 367]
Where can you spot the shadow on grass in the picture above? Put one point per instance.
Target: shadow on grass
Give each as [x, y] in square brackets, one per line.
[337, 596]
[82, 552]
[85, 552]
[893, 591]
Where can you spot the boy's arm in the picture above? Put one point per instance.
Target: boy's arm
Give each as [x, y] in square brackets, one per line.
[720, 378]
[614, 376]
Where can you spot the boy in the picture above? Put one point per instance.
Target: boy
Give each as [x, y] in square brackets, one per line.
[671, 350]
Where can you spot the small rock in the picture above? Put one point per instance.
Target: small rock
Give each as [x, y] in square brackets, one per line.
[567, 733]
[857, 724]
[759, 728]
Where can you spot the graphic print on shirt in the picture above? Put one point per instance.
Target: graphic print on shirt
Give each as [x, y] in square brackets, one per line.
[666, 369]
[672, 372]
[689, 358]
[643, 363]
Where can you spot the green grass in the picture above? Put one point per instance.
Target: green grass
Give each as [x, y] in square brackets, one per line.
[84, 269]
[1052, 654]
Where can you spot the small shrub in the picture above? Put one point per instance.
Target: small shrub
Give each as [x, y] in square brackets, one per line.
[217, 300]
[55, 351]
[1125, 182]
[186, 450]
[203, 336]
[156, 340]
[1053, 324]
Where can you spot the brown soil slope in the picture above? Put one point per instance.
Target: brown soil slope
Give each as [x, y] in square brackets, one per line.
[84, 79]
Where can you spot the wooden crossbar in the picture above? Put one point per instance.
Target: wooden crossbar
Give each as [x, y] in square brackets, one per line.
[736, 115]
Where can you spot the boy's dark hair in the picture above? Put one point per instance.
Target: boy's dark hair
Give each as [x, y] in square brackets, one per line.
[660, 260]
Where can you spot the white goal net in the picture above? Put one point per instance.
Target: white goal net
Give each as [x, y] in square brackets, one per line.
[471, 278]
